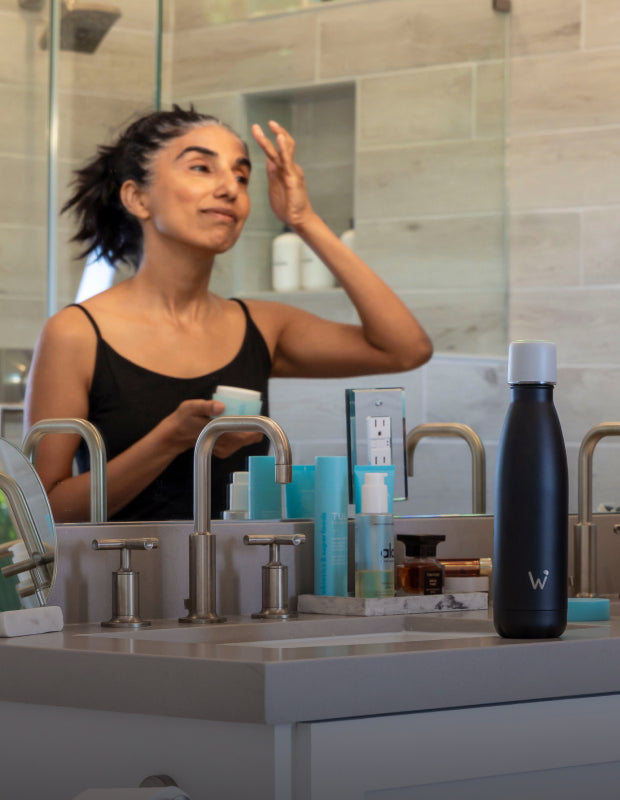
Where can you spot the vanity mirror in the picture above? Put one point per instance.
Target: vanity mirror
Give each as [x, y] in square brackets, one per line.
[27, 533]
[397, 107]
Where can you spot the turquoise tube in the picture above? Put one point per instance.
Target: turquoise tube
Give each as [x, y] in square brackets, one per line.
[331, 506]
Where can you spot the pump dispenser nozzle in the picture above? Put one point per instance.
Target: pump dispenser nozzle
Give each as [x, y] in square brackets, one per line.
[375, 493]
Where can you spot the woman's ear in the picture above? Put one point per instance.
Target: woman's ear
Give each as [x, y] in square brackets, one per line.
[134, 199]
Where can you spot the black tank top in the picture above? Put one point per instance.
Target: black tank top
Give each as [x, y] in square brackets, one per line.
[126, 401]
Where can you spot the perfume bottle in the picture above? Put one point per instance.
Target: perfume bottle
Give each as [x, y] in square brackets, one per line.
[420, 572]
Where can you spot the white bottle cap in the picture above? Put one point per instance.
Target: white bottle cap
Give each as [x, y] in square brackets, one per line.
[375, 493]
[238, 491]
[532, 362]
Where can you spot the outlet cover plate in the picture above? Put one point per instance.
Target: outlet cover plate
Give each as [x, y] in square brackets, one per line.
[362, 406]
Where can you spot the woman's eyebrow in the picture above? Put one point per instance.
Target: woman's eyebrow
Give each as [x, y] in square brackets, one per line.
[242, 161]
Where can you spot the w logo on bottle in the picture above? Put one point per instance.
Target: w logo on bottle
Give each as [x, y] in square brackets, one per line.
[539, 583]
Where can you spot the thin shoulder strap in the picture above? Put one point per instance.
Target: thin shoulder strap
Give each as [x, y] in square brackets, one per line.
[246, 310]
[90, 317]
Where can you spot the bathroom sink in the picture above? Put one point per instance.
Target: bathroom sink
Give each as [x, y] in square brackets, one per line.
[309, 631]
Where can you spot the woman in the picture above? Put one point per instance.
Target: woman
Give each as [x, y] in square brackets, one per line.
[142, 359]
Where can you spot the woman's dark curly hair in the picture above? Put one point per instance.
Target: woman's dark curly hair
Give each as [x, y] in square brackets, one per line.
[104, 224]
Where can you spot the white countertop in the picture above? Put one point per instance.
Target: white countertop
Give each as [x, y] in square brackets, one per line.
[244, 670]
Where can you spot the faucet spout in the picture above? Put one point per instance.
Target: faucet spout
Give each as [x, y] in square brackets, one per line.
[445, 429]
[201, 605]
[204, 448]
[96, 452]
[585, 538]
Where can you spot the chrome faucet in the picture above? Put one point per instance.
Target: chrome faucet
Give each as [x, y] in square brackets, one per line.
[585, 538]
[96, 451]
[445, 429]
[201, 606]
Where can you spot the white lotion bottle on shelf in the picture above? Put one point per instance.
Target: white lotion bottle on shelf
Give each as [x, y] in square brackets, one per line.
[286, 262]
[314, 273]
[348, 237]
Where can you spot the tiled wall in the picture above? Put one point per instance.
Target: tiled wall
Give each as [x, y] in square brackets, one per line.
[428, 81]
[564, 189]
[563, 155]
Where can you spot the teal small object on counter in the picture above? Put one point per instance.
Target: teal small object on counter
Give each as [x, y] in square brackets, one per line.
[588, 609]
[299, 493]
[331, 505]
[264, 494]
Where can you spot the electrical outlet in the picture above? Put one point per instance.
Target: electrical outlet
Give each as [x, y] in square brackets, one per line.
[379, 432]
[376, 433]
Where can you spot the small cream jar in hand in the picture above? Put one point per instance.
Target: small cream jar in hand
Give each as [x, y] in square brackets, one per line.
[238, 402]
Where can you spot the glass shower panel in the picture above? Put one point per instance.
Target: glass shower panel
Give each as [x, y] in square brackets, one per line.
[23, 93]
[108, 72]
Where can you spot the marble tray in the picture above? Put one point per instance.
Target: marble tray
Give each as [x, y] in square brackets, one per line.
[382, 606]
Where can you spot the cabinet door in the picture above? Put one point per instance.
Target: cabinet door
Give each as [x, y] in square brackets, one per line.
[534, 750]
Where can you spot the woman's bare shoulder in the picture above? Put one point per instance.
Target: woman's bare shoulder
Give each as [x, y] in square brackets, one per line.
[271, 312]
[68, 329]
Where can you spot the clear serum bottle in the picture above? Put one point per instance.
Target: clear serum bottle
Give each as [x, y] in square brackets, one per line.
[374, 540]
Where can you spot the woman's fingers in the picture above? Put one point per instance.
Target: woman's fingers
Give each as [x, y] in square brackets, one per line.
[283, 156]
[265, 144]
[285, 141]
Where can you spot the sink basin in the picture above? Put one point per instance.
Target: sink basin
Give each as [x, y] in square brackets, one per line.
[396, 637]
[309, 631]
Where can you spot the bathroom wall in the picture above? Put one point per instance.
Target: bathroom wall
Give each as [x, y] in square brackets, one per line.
[411, 88]
[563, 159]
[564, 190]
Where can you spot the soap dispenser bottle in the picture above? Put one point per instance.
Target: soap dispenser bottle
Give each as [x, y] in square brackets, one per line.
[530, 561]
[374, 540]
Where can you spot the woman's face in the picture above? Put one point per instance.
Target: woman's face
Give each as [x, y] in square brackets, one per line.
[198, 193]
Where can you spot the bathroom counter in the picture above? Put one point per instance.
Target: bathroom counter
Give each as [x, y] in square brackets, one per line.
[396, 714]
[161, 671]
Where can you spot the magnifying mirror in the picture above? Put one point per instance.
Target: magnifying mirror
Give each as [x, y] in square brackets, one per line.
[27, 533]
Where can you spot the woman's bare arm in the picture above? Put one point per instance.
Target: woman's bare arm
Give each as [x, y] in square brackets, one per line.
[389, 339]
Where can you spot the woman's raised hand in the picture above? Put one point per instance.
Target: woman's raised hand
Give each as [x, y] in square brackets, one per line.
[287, 186]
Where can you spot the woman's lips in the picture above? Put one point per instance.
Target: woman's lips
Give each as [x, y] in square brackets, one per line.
[224, 214]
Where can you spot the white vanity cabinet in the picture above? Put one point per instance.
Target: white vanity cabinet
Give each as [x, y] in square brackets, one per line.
[533, 750]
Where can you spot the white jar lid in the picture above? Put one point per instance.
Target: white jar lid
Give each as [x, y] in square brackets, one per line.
[532, 362]
[237, 392]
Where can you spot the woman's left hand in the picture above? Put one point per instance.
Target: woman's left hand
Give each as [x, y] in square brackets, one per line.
[287, 186]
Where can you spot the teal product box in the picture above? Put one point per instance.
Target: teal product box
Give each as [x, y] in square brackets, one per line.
[358, 474]
[331, 506]
[264, 494]
[299, 493]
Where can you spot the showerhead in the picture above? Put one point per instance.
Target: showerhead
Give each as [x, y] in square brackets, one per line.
[83, 25]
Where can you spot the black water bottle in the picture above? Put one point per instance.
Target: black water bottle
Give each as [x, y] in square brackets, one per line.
[530, 562]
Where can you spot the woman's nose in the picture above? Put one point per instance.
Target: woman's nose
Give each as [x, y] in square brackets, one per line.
[228, 184]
